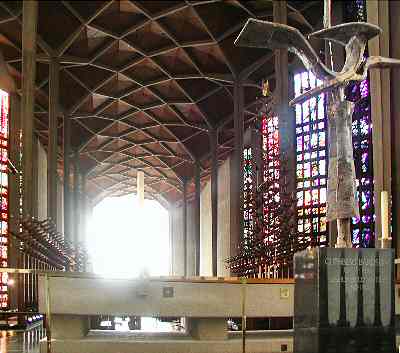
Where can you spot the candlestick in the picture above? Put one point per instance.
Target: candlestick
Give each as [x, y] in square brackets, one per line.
[385, 214]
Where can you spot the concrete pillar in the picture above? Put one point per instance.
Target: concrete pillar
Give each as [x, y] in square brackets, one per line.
[205, 231]
[76, 201]
[378, 13]
[60, 205]
[52, 151]
[29, 24]
[171, 242]
[41, 180]
[287, 122]
[176, 241]
[224, 217]
[181, 249]
[83, 211]
[225, 214]
[394, 11]
[67, 172]
[184, 227]
[214, 198]
[236, 189]
[197, 217]
[35, 177]
[191, 240]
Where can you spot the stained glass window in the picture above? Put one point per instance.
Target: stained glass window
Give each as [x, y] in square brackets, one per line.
[4, 110]
[261, 234]
[248, 194]
[362, 228]
[270, 140]
[311, 165]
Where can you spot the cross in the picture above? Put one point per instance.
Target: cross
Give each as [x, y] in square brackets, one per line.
[342, 203]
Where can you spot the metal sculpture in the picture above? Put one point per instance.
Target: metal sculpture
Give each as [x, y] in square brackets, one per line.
[342, 202]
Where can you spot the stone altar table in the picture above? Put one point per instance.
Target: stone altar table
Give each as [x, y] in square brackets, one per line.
[72, 298]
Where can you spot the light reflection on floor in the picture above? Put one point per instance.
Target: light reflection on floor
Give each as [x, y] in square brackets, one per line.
[21, 342]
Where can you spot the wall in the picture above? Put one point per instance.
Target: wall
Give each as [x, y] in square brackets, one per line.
[176, 240]
[224, 217]
[206, 231]
[42, 189]
[224, 240]
[224, 224]
[191, 250]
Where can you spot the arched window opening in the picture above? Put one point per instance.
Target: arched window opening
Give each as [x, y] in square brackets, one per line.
[127, 241]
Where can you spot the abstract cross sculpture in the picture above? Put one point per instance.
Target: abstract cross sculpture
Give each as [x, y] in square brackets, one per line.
[342, 202]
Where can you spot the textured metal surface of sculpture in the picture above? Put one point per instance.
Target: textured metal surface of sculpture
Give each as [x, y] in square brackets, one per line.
[342, 202]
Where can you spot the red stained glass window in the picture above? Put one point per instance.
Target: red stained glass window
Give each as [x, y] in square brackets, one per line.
[271, 151]
[4, 122]
[247, 194]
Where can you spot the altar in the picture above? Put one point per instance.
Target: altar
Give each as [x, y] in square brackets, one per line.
[69, 300]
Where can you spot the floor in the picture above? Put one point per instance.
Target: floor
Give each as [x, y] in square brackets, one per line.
[21, 342]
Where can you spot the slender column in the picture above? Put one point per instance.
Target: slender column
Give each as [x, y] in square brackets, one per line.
[286, 117]
[197, 216]
[76, 206]
[184, 226]
[395, 124]
[35, 177]
[378, 13]
[236, 187]
[67, 172]
[287, 122]
[83, 211]
[171, 241]
[337, 59]
[214, 198]
[29, 23]
[52, 147]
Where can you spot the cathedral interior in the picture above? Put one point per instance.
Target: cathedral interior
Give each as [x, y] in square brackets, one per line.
[211, 110]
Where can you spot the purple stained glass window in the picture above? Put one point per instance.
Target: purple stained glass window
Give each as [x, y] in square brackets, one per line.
[311, 170]
[363, 234]
[363, 228]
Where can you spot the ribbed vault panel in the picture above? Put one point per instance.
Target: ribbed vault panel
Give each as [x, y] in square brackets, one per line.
[144, 81]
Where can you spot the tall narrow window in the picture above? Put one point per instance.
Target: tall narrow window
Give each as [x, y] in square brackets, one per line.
[4, 110]
[270, 140]
[247, 195]
[362, 228]
[311, 170]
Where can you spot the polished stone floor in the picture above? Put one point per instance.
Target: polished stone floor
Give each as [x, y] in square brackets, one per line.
[21, 342]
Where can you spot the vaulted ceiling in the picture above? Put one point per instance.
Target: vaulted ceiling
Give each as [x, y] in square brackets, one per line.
[144, 81]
